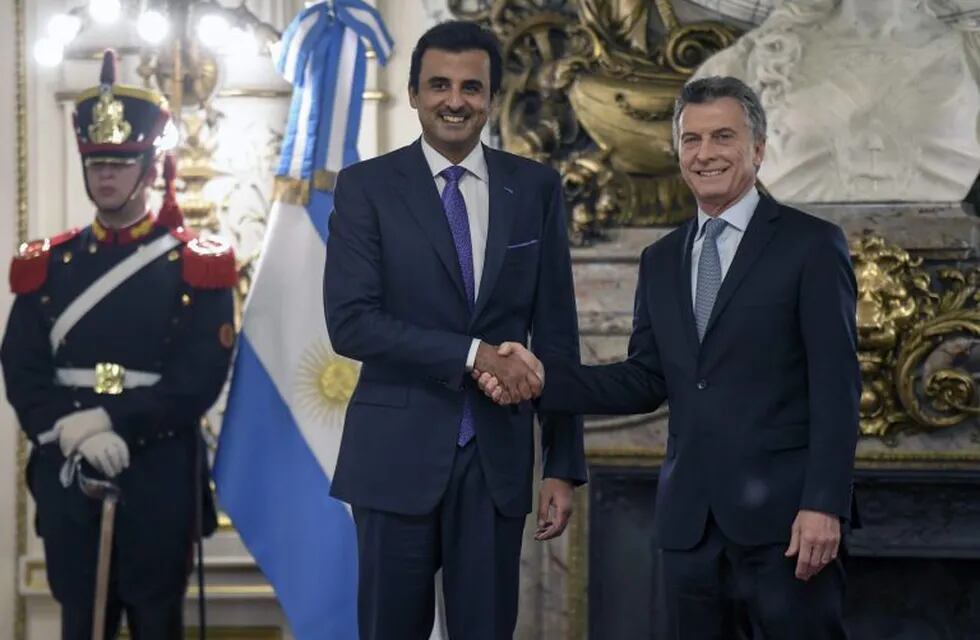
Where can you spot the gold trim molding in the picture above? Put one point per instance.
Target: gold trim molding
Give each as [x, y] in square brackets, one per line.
[577, 587]
[295, 191]
[653, 456]
[225, 575]
[370, 95]
[139, 93]
[226, 633]
[20, 499]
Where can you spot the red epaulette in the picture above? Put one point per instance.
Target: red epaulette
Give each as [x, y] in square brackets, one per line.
[208, 263]
[29, 268]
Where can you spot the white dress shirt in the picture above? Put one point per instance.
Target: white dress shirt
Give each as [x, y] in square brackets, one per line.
[474, 185]
[737, 216]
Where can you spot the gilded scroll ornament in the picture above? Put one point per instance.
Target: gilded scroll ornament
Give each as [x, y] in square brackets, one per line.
[197, 168]
[589, 87]
[918, 340]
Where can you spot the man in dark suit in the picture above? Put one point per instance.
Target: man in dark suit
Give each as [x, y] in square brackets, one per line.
[744, 323]
[437, 253]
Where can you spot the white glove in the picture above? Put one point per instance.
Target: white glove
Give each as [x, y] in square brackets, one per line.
[107, 452]
[76, 427]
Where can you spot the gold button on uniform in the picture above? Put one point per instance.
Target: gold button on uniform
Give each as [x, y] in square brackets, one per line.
[66, 257]
[185, 300]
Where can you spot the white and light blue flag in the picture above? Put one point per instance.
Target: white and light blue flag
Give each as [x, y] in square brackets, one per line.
[281, 432]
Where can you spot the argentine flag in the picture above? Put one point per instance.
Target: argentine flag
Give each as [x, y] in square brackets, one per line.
[282, 426]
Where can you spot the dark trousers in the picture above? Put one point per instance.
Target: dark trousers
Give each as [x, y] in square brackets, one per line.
[477, 548]
[720, 591]
[147, 621]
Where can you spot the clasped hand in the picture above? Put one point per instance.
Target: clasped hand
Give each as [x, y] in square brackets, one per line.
[508, 374]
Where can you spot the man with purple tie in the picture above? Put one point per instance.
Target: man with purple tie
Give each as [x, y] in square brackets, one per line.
[437, 253]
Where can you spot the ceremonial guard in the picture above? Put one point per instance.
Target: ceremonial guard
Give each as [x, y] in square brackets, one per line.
[118, 342]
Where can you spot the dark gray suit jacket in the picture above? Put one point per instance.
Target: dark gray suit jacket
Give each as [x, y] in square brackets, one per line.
[764, 411]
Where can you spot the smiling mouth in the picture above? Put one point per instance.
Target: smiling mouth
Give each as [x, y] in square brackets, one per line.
[712, 173]
[452, 119]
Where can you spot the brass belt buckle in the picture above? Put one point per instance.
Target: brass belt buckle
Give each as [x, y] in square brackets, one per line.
[109, 378]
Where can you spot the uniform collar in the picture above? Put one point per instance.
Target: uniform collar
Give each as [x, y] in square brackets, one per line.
[133, 233]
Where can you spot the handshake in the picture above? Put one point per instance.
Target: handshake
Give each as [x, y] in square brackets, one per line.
[508, 374]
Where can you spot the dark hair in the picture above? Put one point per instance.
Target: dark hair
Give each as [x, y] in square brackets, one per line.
[713, 88]
[457, 36]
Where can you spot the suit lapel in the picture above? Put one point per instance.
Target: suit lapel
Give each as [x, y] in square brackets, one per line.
[422, 199]
[757, 235]
[684, 286]
[503, 207]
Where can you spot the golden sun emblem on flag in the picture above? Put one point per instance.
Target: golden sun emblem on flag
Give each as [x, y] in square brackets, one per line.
[326, 382]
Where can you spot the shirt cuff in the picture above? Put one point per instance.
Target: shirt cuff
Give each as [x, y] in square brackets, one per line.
[471, 357]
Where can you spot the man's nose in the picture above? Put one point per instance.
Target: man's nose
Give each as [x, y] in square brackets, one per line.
[705, 150]
[455, 99]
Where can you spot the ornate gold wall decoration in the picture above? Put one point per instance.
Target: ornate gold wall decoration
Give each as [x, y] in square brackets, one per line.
[198, 67]
[919, 340]
[197, 168]
[589, 88]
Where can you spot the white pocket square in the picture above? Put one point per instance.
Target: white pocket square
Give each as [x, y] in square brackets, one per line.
[522, 244]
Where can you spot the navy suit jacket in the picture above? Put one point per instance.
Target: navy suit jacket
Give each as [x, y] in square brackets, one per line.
[395, 301]
[764, 411]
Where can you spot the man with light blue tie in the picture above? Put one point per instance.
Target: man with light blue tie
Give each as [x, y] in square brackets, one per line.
[745, 323]
[437, 253]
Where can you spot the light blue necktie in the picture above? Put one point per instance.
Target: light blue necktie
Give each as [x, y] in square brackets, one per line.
[459, 225]
[709, 275]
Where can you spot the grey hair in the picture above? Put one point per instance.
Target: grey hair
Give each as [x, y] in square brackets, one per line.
[713, 88]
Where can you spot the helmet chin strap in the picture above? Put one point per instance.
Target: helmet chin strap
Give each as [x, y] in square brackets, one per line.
[147, 159]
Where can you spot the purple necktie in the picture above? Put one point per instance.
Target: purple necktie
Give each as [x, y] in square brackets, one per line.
[459, 225]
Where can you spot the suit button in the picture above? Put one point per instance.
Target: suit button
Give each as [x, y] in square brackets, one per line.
[702, 385]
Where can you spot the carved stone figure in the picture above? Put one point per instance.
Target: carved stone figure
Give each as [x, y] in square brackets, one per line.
[867, 101]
